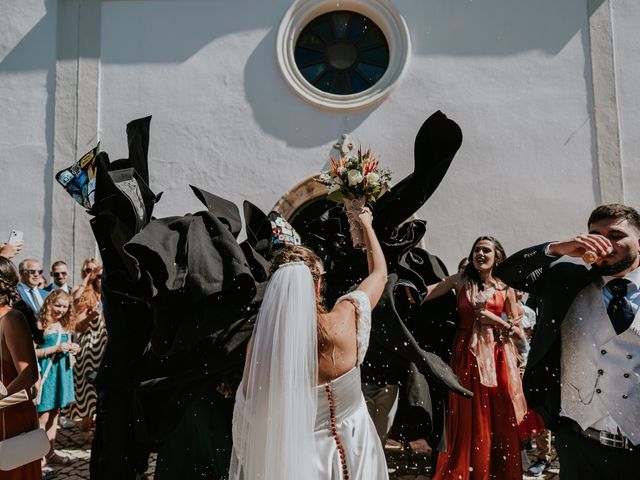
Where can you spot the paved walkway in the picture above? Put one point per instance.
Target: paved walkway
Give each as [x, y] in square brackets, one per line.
[76, 444]
[415, 464]
[404, 463]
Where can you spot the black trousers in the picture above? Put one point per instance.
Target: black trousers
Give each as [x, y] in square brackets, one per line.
[582, 458]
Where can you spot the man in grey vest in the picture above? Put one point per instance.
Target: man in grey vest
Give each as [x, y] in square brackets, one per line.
[583, 371]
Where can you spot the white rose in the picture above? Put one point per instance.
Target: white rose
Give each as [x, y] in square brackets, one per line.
[373, 178]
[341, 170]
[355, 177]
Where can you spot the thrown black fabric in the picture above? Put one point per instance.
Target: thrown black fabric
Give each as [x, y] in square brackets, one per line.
[226, 211]
[123, 205]
[195, 253]
[436, 143]
[394, 356]
[619, 310]
[389, 330]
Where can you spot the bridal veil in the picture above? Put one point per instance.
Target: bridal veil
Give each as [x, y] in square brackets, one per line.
[274, 415]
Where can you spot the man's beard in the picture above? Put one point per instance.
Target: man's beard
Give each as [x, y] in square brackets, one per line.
[614, 268]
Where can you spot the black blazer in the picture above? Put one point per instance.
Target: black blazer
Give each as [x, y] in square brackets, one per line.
[556, 286]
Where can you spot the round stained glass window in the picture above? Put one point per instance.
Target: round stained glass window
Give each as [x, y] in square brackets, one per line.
[342, 52]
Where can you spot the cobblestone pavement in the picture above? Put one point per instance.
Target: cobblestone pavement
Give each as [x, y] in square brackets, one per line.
[414, 463]
[404, 463]
[76, 444]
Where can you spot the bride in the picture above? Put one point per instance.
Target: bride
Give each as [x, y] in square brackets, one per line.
[299, 411]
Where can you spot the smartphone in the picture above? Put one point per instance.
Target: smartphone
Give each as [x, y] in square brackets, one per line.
[15, 236]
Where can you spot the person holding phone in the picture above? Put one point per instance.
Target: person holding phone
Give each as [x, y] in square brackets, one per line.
[14, 246]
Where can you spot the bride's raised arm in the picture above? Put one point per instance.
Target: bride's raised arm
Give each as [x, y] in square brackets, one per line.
[374, 284]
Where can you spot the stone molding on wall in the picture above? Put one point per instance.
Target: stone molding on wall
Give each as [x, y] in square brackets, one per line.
[605, 103]
[382, 12]
[303, 192]
[76, 121]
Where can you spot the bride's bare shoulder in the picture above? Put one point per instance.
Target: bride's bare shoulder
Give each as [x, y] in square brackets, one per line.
[340, 318]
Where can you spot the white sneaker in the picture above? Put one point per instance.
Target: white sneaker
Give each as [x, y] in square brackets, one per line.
[66, 422]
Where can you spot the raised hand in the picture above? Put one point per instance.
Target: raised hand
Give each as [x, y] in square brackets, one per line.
[366, 217]
[10, 250]
[74, 348]
[576, 246]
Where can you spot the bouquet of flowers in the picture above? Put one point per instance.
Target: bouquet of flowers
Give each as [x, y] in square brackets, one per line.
[355, 179]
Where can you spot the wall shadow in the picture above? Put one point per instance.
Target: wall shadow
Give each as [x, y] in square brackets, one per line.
[296, 122]
[27, 55]
[495, 27]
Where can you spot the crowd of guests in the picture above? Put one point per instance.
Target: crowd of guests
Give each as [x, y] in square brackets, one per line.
[581, 363]
[68, 335]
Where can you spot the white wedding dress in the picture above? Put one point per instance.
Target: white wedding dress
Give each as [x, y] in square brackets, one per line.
[284, 426]
[355, 433]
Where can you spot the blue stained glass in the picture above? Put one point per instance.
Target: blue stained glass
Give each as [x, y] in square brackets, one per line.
[309, 39]
[341, 85]
[313, 72]
[329, 44]
[378, 55]
[371, 72]
[372, 38]
[358, 84]
[322, 27]
[304, 56]
[357, 27]
[340, 23]
[325, 82]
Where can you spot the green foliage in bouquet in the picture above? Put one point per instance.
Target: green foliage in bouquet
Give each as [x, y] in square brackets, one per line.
[355, 175]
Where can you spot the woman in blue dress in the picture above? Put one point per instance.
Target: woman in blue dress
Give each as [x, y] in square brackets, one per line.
[56, 357]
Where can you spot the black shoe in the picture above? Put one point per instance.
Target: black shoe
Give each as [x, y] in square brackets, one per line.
[538, 467]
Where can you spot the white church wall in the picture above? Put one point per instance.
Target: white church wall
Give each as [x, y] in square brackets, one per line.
[515, 75]
[224, 119]
[626, 18]
[27, 83]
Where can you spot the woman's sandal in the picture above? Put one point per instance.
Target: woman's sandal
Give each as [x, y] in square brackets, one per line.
[48, 472]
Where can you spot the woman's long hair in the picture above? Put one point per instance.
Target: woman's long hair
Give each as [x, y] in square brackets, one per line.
[9, 295]
[67, 321]
[471, 280]
[298, 253]
[91, 295]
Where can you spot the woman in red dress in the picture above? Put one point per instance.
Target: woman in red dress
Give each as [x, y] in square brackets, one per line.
[482, 433]
[19, 368]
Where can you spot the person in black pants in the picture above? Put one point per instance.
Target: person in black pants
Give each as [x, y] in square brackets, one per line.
[582, 370]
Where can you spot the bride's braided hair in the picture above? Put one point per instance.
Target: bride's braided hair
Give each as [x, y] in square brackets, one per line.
[298, 253]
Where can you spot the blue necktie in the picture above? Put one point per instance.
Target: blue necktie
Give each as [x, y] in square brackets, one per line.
[620, 310]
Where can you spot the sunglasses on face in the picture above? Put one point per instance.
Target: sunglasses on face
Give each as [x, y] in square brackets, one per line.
[60, 274]
[33, 272]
